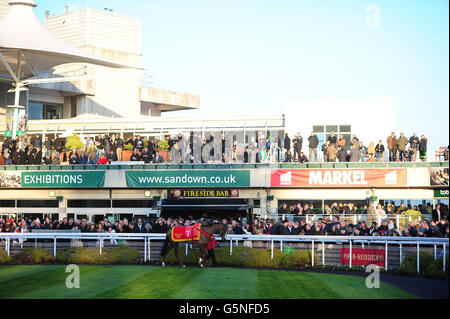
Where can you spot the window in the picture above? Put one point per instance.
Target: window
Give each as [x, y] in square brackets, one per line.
[7, 203]
[133, 203]
[323, 131]
[44, 111]
[99, 203]
[38, 203]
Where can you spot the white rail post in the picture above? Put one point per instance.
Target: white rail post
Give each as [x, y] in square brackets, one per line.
[187, 247]
[281, 245]
[386, 256]
[54, 248]
[145, 249]
[444, 256]
[8, 242]
[418, 258]
[351, 254]
[401, 253]
[323, 253]
[435, 252]
[149, 242]
[355, 221]
[271, 250]
[398, 221]
[101, 246]
[231, 246]
[312, 253]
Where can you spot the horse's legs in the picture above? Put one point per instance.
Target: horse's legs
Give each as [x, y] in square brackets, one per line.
[203, 254]
[176, 255]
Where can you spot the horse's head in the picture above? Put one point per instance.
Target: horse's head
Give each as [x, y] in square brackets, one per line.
[222, 231]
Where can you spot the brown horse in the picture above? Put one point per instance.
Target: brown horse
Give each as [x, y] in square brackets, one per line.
[202, 242]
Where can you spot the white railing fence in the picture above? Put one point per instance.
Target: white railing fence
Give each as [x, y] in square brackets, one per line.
[234, 240]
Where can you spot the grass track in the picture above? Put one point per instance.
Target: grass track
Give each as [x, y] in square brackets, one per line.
[149, 282]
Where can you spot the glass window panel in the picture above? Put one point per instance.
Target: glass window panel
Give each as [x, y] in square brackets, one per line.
[348, 140]
[331, 128]
[318, 128]
[345, 128]
[35, 110]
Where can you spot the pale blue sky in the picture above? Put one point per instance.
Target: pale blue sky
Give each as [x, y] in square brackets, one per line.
[249, 56]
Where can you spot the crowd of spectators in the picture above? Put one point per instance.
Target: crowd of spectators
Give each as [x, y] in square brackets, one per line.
[104, 149]
[437, 226]
[334, 149]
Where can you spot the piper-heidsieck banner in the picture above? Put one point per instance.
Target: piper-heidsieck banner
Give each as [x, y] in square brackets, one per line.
[338, 177]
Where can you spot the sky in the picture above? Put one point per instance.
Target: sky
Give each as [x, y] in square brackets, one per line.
[250, 56]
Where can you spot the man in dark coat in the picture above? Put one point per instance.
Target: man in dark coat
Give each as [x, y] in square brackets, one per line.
[157, 159]
[342, 155]
[298, 143]
[313, 143]
[287, 142]
[423, 148]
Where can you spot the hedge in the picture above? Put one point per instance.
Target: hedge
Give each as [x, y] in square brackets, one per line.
[4, 258]
[80, 255]
[429, 267]
[248, 257]
[32, 256]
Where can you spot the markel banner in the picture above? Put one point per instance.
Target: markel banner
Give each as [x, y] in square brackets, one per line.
[63, 179]
[189, 178]
[338, 177]
[363, 256]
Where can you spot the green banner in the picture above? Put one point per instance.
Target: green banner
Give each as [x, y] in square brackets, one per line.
[189, 178]
[65, 179]
[441, 193]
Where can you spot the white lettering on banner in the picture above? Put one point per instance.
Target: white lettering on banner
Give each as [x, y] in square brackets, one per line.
[53, 179]
[337, 178]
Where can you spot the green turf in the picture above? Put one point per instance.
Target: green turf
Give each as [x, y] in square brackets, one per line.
[48, 281]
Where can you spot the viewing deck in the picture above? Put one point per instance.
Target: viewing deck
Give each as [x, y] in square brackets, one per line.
[219, 166]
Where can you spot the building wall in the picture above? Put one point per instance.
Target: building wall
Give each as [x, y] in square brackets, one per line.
[4, 8]
[112, 37]
[371, 119]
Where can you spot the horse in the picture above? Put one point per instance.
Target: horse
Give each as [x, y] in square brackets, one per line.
[205, 234]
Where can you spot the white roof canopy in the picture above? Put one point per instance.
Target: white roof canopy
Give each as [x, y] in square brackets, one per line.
[27, 48]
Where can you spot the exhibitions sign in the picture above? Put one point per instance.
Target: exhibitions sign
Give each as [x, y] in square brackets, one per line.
[188, 178]
[337, 177]
[363, 256]
[206, 193]
[63, 179]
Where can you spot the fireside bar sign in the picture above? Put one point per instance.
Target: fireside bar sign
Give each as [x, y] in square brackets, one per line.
[204, 193]
[63, 179]
[363, 256]
[337, 177]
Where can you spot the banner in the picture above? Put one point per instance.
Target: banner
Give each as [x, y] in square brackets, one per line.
[10, 179]
[441, 193]
[338, 177]
[15, 116]
[363, 256]
[189, 178]
[63, 179]
[205, 193]
[439, 176]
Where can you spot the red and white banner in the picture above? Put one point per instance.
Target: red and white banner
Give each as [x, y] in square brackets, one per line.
[363, 256]
[338, 177]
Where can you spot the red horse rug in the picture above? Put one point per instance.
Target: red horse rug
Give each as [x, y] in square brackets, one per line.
[186, 233]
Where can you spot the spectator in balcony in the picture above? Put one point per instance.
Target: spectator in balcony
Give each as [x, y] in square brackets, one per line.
[379, 151]
[147, 156]
[112, 157]
[102, 159]
[36, 141]
[92, 154]
[47, 146]
[7, 160]
[83, 158]
[136, 156]
[355, 154]
[47, 160]
[313, 143]
[423, 148]
[342, 154]
[258, 156]
[118, 144]
[371, 152]
[332, 139]
[325, 151]
[341, 142]
[302, 158]
[298, 143]
[331, 153]
[246, 154]
[392, 147]
[414, 144]
[401, 146]
[73, 159]
[157, 159]
[288, 157]
[355, 142]
[425, 230]
[287, 142]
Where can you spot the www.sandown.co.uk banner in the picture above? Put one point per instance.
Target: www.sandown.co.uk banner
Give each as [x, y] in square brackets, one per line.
[189, 178]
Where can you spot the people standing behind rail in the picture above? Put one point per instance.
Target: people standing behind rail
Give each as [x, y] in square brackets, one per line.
[298, 143]
[313, 143]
